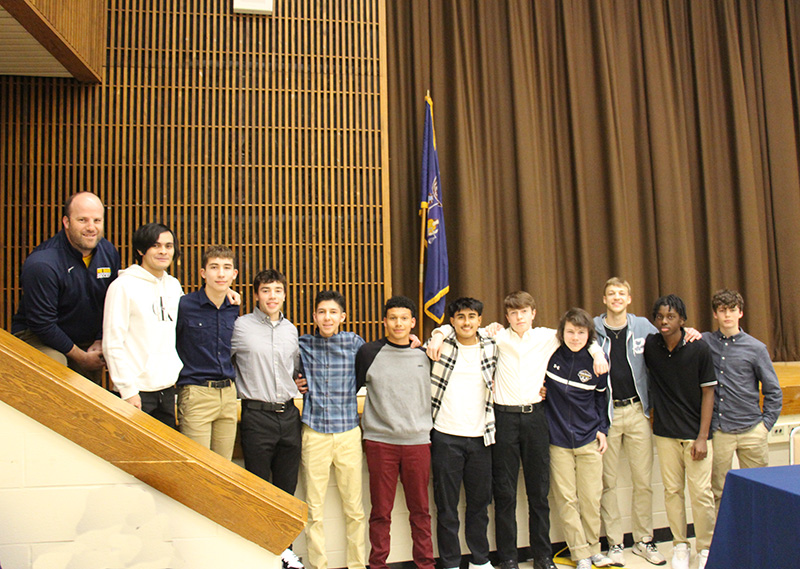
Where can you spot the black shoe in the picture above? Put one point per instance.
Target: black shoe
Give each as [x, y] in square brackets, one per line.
[544, 563]
[508, 564]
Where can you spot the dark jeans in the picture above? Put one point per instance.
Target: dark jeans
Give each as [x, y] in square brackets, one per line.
[271, 445]
[525, 437]
[455, 460]
[160, 405]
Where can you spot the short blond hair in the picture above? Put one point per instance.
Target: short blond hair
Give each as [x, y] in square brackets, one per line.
[616, 281]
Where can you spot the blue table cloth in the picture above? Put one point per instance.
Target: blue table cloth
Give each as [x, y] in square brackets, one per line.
[759, 520]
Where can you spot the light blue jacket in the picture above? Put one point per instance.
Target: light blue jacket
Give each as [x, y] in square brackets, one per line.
[638, 329]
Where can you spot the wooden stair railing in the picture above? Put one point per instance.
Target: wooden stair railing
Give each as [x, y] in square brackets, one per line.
[114, 430]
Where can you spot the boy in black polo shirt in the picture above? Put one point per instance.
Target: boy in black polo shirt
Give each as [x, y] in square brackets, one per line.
[682, 382]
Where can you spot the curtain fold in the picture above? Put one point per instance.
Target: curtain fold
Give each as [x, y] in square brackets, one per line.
[656, 140]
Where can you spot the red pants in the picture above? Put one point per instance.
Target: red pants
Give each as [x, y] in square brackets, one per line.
[413, 464]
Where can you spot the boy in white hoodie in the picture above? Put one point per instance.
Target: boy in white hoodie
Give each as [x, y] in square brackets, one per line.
[140, 316]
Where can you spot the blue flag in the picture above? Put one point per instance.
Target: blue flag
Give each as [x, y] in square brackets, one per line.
[436, 275]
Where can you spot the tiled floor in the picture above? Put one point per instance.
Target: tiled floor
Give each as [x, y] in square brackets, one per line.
[635, 562]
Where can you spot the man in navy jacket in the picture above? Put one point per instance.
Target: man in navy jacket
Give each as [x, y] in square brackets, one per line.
[64, 283]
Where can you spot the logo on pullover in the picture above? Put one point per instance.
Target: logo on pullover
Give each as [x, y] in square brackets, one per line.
[161, 310]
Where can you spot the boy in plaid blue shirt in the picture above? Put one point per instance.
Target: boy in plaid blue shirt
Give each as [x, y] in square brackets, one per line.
[331, 434]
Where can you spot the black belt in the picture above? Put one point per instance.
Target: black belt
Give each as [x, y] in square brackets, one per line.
[218, 384]
[267, 406]
[516, 408]
[626, 402]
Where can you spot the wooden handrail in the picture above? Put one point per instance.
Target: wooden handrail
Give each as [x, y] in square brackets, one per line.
[789, 376]
[114, 430]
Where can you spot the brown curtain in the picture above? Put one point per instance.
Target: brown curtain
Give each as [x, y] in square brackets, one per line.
[653, 140]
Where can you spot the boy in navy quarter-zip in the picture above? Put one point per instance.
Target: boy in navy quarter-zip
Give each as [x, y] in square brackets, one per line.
[577, 412]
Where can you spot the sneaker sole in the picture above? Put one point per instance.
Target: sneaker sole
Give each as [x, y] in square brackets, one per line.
[643, 556]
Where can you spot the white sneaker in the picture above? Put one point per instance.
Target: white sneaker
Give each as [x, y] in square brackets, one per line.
[702, 557]
[486, 565]
[600, 560]
[584, 563]
[680, 556]
[291, 560]
[616, 555]
[649, 551]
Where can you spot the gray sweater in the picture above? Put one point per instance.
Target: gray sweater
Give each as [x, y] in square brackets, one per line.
[397, 409]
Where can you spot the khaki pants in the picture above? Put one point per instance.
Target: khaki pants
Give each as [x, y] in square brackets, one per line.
[630, 430]
[576, 485]
[207, 415]
[750, 447]
[343, 451]
[678, 470]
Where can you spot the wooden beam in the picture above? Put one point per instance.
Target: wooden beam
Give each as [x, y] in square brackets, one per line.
[47, 33]
[100, 422]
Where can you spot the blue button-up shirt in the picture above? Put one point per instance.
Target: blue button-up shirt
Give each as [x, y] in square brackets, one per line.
[742, 364]
[204, 338]
[329, 365]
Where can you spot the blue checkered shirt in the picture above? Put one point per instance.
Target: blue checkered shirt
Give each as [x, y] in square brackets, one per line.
[329, 366]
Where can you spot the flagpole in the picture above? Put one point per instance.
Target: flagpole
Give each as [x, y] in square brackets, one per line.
[424, 215]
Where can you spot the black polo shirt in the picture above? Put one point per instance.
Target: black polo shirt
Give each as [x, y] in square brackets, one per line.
[677, 379]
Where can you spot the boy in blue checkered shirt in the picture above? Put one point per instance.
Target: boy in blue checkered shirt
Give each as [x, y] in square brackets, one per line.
[331, 434]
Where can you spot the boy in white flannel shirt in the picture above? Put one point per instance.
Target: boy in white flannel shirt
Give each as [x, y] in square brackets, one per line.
[463, 430]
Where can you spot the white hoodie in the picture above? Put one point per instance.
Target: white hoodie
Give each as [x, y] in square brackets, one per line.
[139, 319]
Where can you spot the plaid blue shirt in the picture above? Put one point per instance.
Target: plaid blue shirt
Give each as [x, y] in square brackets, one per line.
[329, 366]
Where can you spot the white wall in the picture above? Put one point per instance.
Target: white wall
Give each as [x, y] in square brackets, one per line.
[63, 507]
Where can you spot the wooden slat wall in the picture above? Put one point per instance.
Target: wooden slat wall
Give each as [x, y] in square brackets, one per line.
[263, 133]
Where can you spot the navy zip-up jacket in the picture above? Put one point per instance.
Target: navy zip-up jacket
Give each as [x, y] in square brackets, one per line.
[577, 399]
[62, 300]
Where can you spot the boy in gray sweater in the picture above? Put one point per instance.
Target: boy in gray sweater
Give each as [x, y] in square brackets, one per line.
[397, 424]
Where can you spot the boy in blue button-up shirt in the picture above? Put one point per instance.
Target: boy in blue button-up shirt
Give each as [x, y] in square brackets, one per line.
[206, 390]
[330, 428]
[744, 371]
